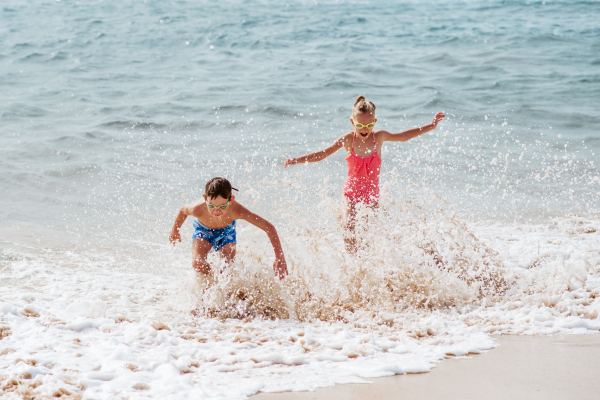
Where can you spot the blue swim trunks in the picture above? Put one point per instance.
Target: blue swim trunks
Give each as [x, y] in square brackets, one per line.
[217, 237]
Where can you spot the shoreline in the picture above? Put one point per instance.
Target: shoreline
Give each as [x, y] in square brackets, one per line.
[521, 367]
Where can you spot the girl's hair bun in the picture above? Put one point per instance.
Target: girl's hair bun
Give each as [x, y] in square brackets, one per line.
[363, 106]
[359, 99]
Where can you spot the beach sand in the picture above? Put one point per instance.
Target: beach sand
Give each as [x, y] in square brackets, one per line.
[522, 367]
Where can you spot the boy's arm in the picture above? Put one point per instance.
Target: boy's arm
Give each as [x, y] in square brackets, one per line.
[183, 213]
[411, 133]
[317, 155]
[280, 266]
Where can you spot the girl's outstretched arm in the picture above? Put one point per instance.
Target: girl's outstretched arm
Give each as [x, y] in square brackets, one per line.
[414, 132]
[318, 155]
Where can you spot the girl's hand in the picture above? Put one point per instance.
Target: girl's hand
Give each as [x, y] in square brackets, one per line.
[438, 117]
[290, 161]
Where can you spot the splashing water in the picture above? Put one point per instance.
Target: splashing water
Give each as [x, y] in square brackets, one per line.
[411, 254]
[422, 285]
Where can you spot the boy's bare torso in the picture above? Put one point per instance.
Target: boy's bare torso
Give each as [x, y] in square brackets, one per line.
[200, 211]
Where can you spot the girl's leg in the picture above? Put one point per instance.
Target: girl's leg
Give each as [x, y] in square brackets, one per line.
[348, 214]
[349, 211]
[200, 249]
[349, 222]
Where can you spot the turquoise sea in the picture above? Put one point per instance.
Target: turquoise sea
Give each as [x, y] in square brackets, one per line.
[98, 93]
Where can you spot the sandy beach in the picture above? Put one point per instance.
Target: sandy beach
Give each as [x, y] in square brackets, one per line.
[521, 367]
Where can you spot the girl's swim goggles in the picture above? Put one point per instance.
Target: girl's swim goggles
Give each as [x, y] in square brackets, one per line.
[370, 125]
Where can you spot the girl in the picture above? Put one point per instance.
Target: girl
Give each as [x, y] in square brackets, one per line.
[363, 146]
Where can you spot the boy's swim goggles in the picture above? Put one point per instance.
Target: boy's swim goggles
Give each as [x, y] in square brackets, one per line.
[221, 207]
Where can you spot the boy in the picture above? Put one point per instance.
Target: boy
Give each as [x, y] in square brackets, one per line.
[214, 227]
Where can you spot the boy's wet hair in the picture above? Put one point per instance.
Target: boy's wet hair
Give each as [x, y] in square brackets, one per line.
[218, 187]
[363, 106]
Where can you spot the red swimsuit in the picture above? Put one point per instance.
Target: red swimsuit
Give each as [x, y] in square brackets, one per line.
[362, 183]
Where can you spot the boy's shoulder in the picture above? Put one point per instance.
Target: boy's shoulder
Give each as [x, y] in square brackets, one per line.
[238, 209]
[197, 206]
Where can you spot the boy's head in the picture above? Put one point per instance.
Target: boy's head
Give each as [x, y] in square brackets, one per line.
[217, 195]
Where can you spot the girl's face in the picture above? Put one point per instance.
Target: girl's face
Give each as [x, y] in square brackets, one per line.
[363, 125]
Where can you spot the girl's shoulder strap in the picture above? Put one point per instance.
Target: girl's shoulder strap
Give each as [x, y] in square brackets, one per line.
[352, 148]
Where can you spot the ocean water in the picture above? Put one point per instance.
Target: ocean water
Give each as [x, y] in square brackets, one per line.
[113, 114]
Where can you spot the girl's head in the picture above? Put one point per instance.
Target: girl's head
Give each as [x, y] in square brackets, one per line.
[363, 106]
[363, 117]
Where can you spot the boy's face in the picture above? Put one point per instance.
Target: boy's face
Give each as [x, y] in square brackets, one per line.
[217, 212]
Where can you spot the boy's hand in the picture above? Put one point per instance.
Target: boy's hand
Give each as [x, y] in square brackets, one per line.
[290, 161]
[174, 237]
[280, 268]
[438, 117]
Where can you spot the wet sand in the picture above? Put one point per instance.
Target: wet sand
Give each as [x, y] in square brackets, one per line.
[522, 367]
